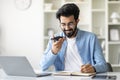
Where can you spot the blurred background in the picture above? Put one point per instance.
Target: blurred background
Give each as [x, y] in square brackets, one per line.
[26, 25]
[21, 29]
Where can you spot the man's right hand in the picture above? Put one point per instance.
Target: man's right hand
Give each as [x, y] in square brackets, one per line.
[56, 46]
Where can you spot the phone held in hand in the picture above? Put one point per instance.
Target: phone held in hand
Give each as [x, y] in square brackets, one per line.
[56, 38]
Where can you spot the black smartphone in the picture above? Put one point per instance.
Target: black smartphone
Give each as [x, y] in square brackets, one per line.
[56, 38]
[108, 77]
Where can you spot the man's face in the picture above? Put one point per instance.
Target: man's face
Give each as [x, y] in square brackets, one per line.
[68, 25]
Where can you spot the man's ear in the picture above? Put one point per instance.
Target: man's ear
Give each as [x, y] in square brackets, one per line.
[78, 20]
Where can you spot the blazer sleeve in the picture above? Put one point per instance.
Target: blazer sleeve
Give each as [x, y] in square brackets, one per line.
[100, 64]
[48, 58]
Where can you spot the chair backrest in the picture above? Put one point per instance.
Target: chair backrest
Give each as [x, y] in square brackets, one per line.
[109, 67]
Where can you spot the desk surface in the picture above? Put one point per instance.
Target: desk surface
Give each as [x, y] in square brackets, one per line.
[5, 77]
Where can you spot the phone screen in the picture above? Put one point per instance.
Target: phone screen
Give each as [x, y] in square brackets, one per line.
[110, 77]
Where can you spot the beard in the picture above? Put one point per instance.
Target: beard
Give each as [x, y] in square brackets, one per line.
[69, 33]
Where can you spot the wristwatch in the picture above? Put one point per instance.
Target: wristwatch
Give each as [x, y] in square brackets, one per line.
[22, 4]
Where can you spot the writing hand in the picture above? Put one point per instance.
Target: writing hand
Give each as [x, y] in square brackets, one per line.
[87, 68]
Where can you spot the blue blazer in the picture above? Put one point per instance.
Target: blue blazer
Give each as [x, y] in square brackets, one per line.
[89, 50]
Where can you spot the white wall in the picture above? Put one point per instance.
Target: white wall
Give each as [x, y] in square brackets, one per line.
[22, 31]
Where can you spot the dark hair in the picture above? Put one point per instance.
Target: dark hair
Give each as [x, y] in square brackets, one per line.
[68, 10]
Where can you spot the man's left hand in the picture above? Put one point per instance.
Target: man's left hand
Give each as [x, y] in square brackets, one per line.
[87, 68]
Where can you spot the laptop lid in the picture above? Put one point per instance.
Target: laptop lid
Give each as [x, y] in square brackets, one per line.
[16, 66]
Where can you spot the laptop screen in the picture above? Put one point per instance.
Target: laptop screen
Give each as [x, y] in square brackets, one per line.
[16, 66]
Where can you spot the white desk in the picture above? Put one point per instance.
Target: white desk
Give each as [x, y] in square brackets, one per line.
[3, 76]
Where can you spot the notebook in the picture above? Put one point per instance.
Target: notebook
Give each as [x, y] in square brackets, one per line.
[19, 66]
[68, 73]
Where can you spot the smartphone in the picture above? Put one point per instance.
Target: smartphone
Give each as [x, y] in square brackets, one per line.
[110, 77]
[56, 38]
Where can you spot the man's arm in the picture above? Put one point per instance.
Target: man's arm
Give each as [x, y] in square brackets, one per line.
[47, 60]
[98, 63]
[98, 58]
[48, 57]
[50, 54]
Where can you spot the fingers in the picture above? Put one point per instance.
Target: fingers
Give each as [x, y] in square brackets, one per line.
[59, 42]
[87, 68]
[56, 46]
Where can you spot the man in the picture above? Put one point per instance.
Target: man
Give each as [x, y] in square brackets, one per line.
[78, 50]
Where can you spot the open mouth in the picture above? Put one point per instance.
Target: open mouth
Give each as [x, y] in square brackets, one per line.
[68, 31]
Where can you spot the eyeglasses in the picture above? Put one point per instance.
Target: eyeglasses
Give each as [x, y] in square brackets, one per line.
[71, 25]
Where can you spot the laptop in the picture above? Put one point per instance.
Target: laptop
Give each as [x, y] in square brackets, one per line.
[19, 66]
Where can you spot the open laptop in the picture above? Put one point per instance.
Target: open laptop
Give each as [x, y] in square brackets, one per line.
[19, 66]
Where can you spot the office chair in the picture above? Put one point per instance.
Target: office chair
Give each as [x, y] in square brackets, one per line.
[109, 67]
